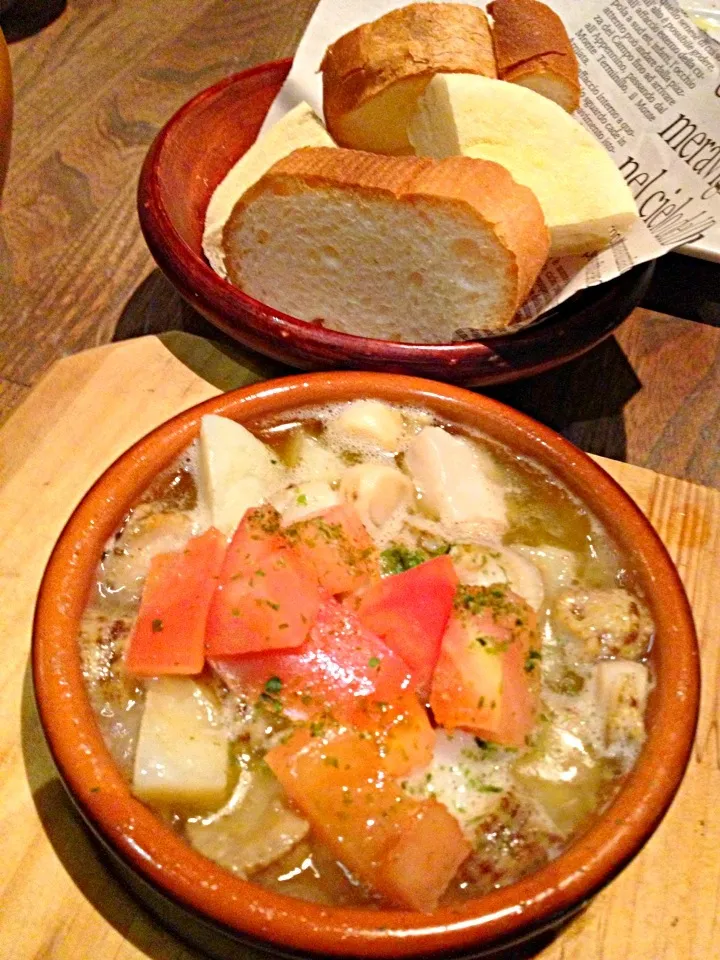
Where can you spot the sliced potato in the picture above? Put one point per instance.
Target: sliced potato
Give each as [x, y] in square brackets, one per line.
[370, 421]
[237, 471]
[452, 477]
[182, 755]
[315, 461]
[376, 491]
[252, 833]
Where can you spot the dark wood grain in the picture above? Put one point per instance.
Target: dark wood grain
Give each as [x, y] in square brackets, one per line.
[92, 90]
[650, 395]
[93, 87]
[11, 395]
[673, 422]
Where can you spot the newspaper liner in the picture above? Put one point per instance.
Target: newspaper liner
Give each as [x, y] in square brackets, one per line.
[650, 84]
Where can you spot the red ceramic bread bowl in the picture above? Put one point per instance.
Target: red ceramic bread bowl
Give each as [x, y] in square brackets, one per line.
[214, 907]
[194, 152]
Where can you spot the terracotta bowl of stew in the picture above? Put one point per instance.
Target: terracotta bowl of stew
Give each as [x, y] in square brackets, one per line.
[191, 156]
[218, 910]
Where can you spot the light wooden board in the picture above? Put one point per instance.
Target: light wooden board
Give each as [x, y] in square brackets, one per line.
[58, 900]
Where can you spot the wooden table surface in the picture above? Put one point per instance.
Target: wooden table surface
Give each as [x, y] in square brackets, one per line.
[59, 901]
[94, 86]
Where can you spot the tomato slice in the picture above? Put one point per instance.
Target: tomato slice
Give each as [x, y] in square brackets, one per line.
[399, 729]
[410, 612]
[340, 663]
[343, 674]
[264, 600]
[486, 678]
[408, 850]
[169, 634]
[336, 545]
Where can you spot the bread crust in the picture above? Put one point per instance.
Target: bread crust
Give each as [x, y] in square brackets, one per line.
[531, 39]
[337, 167]
[480, 187]
[419, 40]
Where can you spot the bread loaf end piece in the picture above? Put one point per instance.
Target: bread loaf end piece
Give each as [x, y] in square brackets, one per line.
[584, 198]
[298, 128]
[373, 75]
[532, 48]
[394, 248]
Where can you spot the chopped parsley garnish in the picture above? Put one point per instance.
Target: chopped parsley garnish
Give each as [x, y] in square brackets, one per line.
[532, 658]
[397, 559]
[492, 644]
[274, 685]
[374, 662]
[266, 519]
[493, 599]
[271, 703]
[302, 499]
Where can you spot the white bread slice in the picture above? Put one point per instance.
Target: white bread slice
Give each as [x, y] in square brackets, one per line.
[373, 75]
[584, 198]
[298, 128]
[532, 48]
[396, 248]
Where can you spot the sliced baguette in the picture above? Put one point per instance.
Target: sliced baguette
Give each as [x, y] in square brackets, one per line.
[396, 248]
[298, 128]
[584, 198]
[373, 75]
[532, 48]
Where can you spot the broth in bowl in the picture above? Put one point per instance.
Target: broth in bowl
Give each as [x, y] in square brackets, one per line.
[362, 656]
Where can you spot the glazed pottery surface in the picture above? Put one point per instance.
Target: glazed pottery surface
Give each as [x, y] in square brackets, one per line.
[194, 152]
[6, 109]
[227, 909]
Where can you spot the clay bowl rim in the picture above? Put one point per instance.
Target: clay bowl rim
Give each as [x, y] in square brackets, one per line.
[275, 921]
[282, 336]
